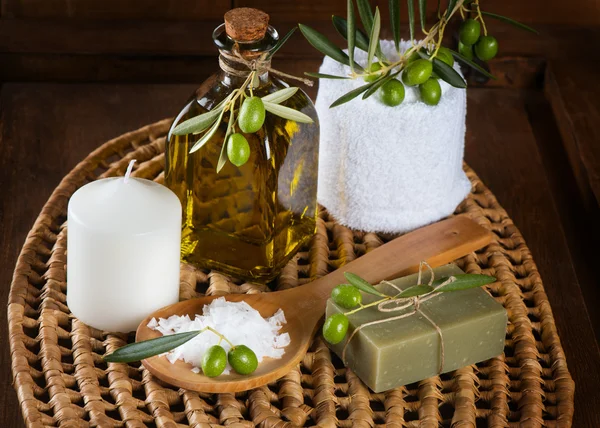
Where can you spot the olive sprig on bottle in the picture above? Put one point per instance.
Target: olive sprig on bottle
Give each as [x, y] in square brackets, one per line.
[248, 118]
[348, 296]
[241, 358]
[422, 64]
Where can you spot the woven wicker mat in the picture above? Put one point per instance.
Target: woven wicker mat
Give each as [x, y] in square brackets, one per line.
[61, 379]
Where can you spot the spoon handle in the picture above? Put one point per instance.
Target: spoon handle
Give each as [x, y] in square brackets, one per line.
[437, 244]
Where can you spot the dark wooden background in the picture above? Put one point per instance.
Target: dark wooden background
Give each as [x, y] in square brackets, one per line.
[75, 73]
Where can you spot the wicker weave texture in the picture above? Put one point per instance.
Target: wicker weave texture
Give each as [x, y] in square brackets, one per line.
[62, 381]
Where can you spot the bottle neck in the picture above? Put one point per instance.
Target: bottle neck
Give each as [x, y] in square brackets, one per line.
[235, 68]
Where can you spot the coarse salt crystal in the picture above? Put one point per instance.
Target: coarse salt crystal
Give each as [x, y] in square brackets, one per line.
[239, 322]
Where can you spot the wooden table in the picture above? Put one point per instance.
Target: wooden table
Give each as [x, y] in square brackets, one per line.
[513, 143]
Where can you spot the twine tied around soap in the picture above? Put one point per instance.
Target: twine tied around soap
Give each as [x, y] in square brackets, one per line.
[402, 303]
[260, 65]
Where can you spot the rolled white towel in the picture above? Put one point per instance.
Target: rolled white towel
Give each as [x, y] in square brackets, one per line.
[389, 169]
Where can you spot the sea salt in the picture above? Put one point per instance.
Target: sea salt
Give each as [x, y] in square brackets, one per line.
[237, 321]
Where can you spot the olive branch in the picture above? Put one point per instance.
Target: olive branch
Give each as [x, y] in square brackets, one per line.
[348, 296]
[242, 359]
[250, 118]
[379, 70]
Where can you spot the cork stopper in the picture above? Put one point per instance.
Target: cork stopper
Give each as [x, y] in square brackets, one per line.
[245, 24]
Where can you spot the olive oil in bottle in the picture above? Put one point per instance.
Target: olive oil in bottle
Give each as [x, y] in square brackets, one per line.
[247, 220]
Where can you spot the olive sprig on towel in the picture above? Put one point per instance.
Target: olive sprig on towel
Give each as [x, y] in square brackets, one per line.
[423, 63]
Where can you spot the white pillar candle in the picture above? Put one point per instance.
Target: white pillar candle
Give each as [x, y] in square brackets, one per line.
[123, 244]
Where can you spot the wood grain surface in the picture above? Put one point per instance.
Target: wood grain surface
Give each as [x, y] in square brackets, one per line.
[45, 129]
[583, 12]
[575, 103]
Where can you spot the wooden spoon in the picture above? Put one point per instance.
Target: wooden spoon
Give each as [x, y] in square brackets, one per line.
[304, 306]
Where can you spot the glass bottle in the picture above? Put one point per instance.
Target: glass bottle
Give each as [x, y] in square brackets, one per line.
[245, 221]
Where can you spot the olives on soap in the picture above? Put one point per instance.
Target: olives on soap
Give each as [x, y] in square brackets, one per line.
[335, 328]
[347, 296]
[486, 48]
[252, 115]
[417, 72]
[469, 32]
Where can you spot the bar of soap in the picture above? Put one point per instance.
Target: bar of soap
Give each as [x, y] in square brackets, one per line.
[404, 351]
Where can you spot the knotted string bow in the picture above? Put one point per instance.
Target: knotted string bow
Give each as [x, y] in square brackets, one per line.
[261, 65]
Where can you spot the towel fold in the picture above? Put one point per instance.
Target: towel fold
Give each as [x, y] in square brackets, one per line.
[389, 169]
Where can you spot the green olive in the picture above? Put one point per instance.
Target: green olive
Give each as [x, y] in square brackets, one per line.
[392, 93]
[238, 149]
[252, 115]
[417, 72]
[486, 48]
[242, 359]
[374, 67]
[466, 51]
[214, 361]
[431, 92]
[335, 328]
[469, 32]
[347, 296]
[445, 55]
[413, 57]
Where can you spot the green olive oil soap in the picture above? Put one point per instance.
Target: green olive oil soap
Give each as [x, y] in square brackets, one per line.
[400, 352]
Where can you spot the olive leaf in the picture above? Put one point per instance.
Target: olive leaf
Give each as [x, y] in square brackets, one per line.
[379, 83]
[325, 76]
[280, 96]
[255, 80]
[510, 21]
[361, 284]
[325, 46]
[448, 74]
[280, 43]
[415, 290]
[200, 123]
[351, 95]
[341, 25]
[463, 282]
[366, 17]
[423, 13]
[287, 113]
[394, 6]
[350, 33]
[445, 72]
[411, 18]
[208, 135]
[472, 64]
[148, 348]
[223, 155]
[366, 14]
[451, 6]
[374, 38]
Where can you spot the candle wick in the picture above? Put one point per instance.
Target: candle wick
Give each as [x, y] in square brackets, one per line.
[129, 169]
